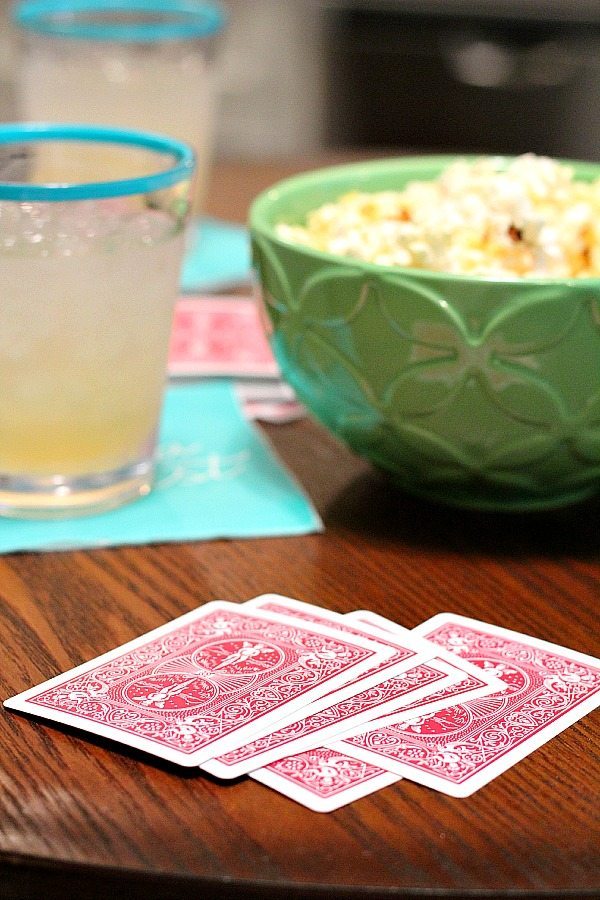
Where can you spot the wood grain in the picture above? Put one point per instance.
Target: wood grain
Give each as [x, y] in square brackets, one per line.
[80, 817]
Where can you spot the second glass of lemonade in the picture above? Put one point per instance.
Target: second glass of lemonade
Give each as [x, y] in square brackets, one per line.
[141, 64]
[92, 229]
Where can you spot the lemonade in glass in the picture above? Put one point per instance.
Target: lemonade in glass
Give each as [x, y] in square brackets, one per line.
[141, 64]
[90, 271]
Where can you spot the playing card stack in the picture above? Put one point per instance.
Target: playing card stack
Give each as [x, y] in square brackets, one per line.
[322, 707]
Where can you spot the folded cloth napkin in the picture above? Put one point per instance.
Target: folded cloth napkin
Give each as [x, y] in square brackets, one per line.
[216, 477]
[217, 256]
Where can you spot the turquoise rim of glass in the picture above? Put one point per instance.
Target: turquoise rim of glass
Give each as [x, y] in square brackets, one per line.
[82, 19]
[20, 133]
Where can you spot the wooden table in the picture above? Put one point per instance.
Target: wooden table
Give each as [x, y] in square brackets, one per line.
[81, 818]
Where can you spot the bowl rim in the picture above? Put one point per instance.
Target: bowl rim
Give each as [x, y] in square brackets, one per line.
[259, 224]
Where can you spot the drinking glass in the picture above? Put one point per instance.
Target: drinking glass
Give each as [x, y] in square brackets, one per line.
[92, 224]
[141, 64]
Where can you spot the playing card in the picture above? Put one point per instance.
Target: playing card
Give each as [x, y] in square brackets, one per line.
[325, 725]
[203, 683]
[274, 412]
[462, 747]
[264, 390]
[219, 336]
[269, 400]
[323, 779]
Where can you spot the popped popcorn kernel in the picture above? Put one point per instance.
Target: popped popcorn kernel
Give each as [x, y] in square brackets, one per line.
[529, 218]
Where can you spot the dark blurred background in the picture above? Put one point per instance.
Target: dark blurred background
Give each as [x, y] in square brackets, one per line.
[496, 76]
[300, 76]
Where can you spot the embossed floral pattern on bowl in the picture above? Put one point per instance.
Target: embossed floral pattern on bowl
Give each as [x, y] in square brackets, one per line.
[468, 390]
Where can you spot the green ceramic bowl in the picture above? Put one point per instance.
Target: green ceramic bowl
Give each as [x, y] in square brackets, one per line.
[468, 390]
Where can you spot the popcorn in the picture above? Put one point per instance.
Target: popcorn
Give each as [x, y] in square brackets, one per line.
[528, 219]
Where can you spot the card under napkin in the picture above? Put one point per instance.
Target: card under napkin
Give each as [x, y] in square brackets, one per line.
[217, 477]
[217, 257]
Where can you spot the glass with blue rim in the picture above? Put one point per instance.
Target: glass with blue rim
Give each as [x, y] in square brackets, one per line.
[92, 232]
[140, 64]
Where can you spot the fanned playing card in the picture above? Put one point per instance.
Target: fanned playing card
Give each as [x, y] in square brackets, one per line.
[462, 747]
[204, 683]
[323, 779]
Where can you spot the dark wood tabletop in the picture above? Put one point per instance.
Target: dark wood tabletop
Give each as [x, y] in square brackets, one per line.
[83, 818]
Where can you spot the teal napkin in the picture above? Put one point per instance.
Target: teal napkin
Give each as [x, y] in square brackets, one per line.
[217, 257]
[216, 477]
